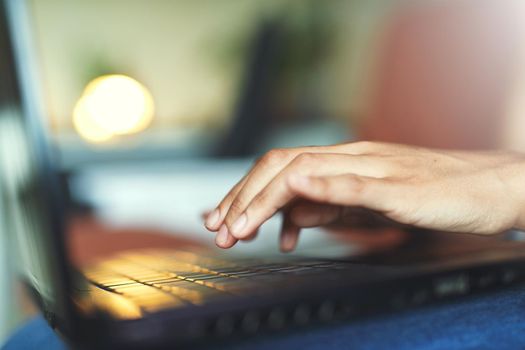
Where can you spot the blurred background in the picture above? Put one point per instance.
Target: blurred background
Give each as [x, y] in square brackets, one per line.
[156, 108]
[205, 65]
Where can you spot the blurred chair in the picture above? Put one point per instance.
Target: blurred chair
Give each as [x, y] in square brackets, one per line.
[445, 73]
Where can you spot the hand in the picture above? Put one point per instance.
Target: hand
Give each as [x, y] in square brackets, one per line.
[475, 192]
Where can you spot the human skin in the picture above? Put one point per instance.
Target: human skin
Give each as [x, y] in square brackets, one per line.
[458, 191]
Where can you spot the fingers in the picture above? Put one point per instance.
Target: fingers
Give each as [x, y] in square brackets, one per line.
[214, 219]
[264, 171]
[246, 214]
[265, 189]
[224, 239]
[314, 214]
[304, 215]
[289, 235]
[347, 190]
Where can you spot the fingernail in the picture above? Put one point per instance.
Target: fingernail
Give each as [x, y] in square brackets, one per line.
[222, 235]
[287, 243]
[299, 180]
[213, 219]
[239, 224]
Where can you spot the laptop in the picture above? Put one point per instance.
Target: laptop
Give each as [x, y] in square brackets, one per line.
[147, 298]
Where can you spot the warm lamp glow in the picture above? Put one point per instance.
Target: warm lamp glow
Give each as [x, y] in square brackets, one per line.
[112, 105]
[85, 125]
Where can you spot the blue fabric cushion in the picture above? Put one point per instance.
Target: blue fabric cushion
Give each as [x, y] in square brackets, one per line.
[35, 334]
[488, 321]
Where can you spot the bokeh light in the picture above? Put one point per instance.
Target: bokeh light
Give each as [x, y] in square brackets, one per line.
[85, 125]
[112, 105]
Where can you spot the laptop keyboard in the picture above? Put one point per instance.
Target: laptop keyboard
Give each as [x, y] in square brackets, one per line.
[155, 280]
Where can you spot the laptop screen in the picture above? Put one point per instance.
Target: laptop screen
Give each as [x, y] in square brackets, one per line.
[28, 196]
